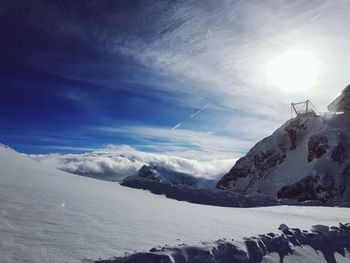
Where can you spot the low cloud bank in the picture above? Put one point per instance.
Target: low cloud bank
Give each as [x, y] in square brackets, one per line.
[118, 162]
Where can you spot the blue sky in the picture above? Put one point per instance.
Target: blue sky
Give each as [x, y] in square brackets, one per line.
[81, 75]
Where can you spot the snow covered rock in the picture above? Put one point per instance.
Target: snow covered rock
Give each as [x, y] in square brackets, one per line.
[322, 229]
[292, 243]
[308, 158]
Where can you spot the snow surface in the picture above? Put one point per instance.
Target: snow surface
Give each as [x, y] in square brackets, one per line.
[47, 215]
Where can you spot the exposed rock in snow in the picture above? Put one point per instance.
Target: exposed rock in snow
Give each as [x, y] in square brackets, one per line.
[346, 170]
[339, 153]
[329, 241]
[308, 158]
[312, 188]
[296, 126]
[318, 145]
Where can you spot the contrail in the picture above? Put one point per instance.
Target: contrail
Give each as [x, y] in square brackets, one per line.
[176, 126]
[199, 111]
[190, 117]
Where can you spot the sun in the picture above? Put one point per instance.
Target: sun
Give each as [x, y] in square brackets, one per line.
[294, 70]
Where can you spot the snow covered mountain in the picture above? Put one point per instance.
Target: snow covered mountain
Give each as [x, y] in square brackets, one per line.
[185, 187]
[47, 215]
[308, 158]
[166, 175]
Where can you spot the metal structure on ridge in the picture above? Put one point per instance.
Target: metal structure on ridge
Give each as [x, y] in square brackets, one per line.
[304, 108]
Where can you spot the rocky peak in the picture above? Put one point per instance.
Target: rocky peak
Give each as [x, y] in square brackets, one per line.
[148, 172]
[165, 175]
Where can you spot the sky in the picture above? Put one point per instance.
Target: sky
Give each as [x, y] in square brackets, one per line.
[185, 78]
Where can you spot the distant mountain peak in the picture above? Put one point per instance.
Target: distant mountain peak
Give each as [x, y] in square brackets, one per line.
[147, 171]
[162, 174]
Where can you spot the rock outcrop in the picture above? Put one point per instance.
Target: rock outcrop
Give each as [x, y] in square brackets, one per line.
[318, 145]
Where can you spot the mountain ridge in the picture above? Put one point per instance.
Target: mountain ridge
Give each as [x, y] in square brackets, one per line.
[307, 158]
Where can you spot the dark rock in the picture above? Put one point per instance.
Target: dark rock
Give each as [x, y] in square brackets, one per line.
[318, 145]
[255, 165]
[255, 253]
[292, 134]
[305, 189]
[266, 160]
[321, 188]
[339, 153]
[292, 131]
[346, 170]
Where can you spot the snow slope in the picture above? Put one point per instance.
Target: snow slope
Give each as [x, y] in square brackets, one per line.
[308, 158]
[47, 215]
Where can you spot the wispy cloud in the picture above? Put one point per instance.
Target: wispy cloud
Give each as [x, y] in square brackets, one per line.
[185, 143]
[225, 47]
[215, 50]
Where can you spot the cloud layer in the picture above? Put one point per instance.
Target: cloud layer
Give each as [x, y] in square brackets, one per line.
[117, 162]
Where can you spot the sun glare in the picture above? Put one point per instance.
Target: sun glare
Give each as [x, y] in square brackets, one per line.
[294, 70]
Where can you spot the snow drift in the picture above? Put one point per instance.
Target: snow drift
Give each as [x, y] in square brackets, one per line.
[324, 244]
[308, 158]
